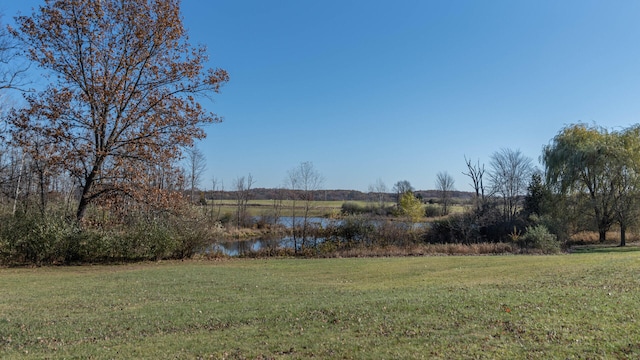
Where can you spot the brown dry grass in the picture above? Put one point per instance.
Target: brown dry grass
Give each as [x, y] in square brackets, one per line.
[382, 251]
[429, 249]
[592, 238]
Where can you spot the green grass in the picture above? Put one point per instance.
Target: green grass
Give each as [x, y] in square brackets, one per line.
[564, 306]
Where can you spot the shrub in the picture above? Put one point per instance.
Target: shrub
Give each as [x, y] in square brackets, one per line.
[226, 218]
[362, 231]
[161, 238]
[36, 239]
[454, 229]
[539, 238]
[432, 211]
[352, 208]
[395, 233]
[356, 229]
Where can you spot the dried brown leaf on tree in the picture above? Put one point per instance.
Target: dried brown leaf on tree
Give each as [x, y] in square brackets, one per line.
[125, 94]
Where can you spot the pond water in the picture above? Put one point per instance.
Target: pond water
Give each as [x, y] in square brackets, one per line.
[287, 221]
[239, 247]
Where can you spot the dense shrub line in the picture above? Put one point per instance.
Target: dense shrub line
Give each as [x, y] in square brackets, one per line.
[458, 231]
[51, 239]
[354, 208]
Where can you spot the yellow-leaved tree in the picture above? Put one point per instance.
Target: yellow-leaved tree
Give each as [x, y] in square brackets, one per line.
[411, 206]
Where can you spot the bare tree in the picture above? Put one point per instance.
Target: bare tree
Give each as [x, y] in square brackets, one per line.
[292, 183]
[216, 189]
[379, 191]
[243, 195]
[400, 188]
[445, 186]
[12, 77]
[43, 170]
[510, 173]
[196, 166]
[305, 180]
[277, 204]
[476, 174]
[125, 95]
[12, 71]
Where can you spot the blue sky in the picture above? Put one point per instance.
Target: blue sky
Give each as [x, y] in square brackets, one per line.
[405, 89]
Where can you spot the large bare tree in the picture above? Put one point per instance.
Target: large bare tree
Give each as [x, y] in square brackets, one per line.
[510, 172]
[125, 92]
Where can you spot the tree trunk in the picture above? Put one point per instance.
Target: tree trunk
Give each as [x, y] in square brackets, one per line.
[15, 200]
[293, 226]
[85, 199]
[305, 223]
[623, 235]
[43, 195]
[603, 235]
[82, 206]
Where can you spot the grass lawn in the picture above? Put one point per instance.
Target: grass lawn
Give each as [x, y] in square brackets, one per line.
[583, 305]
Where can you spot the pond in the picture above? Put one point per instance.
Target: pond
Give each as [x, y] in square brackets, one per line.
[240, 247]
[287, 221]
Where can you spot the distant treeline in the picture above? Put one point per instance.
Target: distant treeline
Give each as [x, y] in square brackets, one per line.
[330, 195]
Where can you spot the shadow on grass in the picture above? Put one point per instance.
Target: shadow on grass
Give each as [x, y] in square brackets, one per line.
[606, 248]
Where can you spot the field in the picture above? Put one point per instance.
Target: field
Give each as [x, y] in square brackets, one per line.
[317, 209]
[265, 207]
[581, 305]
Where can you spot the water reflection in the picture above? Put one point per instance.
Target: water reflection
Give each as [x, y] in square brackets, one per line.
[243, 247]
[287, 221]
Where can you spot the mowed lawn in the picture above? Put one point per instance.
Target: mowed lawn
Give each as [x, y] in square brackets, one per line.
[584, 305]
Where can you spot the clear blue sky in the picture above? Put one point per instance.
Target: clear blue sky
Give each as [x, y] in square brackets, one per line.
[405, 89]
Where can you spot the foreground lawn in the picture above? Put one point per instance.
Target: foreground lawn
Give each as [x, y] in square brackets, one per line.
[566, 306]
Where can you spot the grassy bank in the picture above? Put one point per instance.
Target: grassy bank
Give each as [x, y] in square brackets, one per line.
[566, 306]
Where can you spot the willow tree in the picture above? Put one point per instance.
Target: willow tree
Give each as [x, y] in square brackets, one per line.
[626, 179]
[125, 91]
[600, 165]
